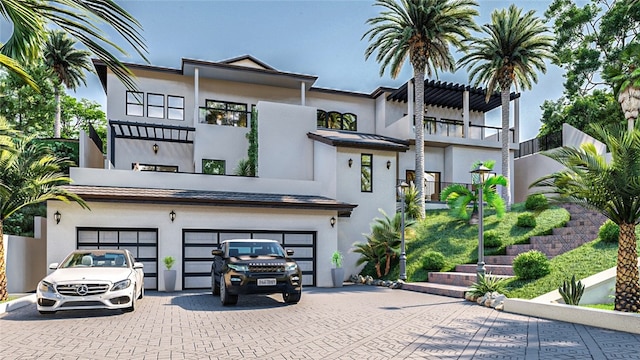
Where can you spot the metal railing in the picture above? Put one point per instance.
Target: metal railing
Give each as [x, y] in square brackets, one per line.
[433, 189]
[455, 128]
[535, 145]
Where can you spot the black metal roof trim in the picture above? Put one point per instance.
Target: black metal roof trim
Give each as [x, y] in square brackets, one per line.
[336, 91]
[358, 140]
[151, 131]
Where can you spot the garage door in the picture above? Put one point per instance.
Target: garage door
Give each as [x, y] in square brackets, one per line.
[143, 244]
[197, 246]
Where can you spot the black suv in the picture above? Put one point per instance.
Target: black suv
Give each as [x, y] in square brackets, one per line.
[254, 266]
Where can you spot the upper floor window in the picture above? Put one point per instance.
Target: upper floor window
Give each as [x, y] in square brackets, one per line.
[213, 167]
[155, 105]
[175, 107]
[366, 172]
[225, 113]
[135, 103]
[336, 120]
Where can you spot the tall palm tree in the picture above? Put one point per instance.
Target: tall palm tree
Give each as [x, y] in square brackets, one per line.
[80, 19]
[29, 174]
[612, 189]
[422, 30]
[625, 79]
[67, 64]
[515, 49]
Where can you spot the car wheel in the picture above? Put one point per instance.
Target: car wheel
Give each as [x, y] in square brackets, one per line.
[133, 304]
[141, 293]
[44, 312]
[292, 298]
[215, 286]
[226, 298]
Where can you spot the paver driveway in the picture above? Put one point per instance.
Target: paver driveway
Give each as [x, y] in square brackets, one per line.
[354, 322]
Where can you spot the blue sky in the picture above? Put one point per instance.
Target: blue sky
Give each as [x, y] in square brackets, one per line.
[319, 37]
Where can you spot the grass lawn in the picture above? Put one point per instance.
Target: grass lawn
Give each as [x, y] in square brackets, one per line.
[601, 306]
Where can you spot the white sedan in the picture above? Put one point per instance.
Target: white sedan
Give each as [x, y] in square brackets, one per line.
[92, 279]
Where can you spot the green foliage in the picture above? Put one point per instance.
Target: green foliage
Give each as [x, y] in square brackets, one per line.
[433, 261]
[536, 202]
[21, 222]
[492, 239]
[169, 261]
[78, 115]
[571, 291]
[531, 265]
[336, 259]
[488, 283]
[411, 206]
[609, 232]
[526, 220]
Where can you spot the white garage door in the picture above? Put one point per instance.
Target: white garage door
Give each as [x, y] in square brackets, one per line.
[143, 244]
[197, 246]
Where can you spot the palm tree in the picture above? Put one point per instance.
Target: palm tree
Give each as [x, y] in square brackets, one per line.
[422, 30]
[612, 189]
[80, 19]
[516, 47]
[625, 79]
[67, 64]
[458, 197]
[29, 174]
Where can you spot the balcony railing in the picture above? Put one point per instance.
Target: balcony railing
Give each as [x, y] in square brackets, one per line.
[433, 189]
[455, 128]
[547, 142]
[224, 117]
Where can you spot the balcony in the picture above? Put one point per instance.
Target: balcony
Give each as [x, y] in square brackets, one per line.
[224, 117]
[455, 129]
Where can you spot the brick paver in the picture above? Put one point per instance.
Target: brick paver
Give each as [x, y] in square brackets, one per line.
[354, 322]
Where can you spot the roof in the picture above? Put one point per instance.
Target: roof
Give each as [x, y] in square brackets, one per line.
[151, 131]
[208, 198]
[449, 95]
[358, 140]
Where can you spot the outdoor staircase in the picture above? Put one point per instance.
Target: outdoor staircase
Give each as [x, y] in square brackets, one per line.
[582, 228]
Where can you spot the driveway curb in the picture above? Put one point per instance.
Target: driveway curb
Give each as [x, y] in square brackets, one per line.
[17, 303]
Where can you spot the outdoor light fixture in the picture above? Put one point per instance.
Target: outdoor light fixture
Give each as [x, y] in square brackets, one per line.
[388, 164]
[482, 171]
[350, 162]
[172, 215]
[155, 148]
[57, 216]
[403, 255]
[332, 221]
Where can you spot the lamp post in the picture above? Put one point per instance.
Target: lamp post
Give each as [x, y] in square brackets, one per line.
[482, 171]
[403, 255]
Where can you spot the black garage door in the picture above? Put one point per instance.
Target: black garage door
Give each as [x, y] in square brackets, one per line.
[143, 244]
[197, 246]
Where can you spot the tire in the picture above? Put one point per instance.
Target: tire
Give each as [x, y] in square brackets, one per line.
[215, 286]
[292, 298]
[141, 293]
[226, 298]
[44, 312]
[133, 304]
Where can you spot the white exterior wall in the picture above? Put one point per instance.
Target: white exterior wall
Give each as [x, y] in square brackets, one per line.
[63, 238]
[89, 154]
[130, 151]
[363, 107]
[25, 258]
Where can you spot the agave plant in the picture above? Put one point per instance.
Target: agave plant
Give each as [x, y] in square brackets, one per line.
[571, 291]
[487, 283]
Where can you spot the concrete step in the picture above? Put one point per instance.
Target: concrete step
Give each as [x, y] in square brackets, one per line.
[452, 278]
[493, 269]
[499, 259]
[513, 250]
[437, 289]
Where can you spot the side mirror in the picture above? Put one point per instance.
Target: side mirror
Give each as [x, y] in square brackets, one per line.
[289, 252]
[138, 265]
[53, 266]
[216, 252]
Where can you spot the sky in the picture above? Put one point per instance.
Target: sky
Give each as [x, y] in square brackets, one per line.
[314, 37]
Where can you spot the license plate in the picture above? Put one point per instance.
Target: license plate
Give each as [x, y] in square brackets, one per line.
[266, 282]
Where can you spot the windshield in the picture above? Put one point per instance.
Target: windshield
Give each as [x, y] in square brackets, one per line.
[95, 259]
[254, 249]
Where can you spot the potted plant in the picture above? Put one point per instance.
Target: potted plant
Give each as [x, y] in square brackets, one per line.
[169, 275]
[337, 273]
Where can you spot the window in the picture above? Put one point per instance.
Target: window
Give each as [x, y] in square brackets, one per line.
[336, 120]
[175, 107]
[135, 103]
[149, 167]
[366, 172]
[155, 105]
[213, 167]
[225, 113]
[432, 184]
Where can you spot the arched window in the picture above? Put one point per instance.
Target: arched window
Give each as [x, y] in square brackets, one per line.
[322, 119]
[336, 120]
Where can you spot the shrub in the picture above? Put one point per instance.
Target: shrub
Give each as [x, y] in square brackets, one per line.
[433, 261]
[492, 239]
[536, 202]
[168, 262]
[531, 265]
[571, 291]
[487, 283]
[609, 232]
[526, 220]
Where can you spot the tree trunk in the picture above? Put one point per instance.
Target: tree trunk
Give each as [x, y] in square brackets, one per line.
[629, 100]
[57, 121]
[627, 286]
[506, 171]
[418, 76]
[3, 267]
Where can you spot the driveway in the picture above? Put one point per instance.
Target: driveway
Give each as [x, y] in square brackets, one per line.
[354, 322]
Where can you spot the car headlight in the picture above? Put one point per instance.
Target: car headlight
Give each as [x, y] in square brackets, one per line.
[121, 285]
[46, 287]
[240, 268]
[292, 266]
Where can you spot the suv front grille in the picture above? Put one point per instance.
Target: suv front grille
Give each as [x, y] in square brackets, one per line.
[91, 289]
[266, 268]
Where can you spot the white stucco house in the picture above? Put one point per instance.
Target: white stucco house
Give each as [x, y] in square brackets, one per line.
[327, 161]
